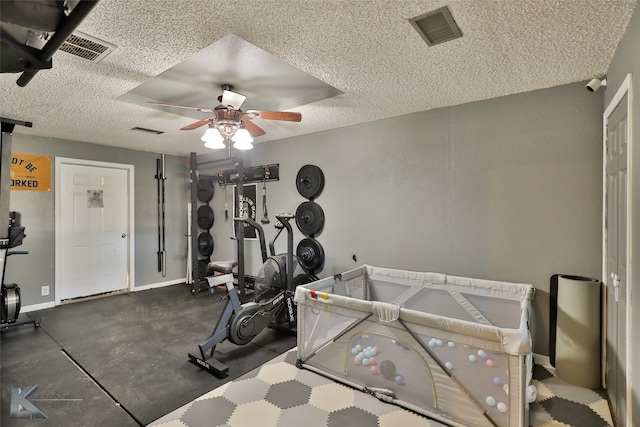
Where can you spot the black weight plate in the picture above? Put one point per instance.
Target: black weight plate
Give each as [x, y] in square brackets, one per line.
[309, 181]
[205, 190]
[205, 217]
[309, 218]
[310, 254]
[205, 244]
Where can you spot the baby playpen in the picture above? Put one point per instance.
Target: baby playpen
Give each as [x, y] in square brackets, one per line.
[452, 348]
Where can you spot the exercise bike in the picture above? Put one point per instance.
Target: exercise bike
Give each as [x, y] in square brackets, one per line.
[273, 304]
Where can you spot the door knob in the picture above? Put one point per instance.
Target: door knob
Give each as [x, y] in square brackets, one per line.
[124, 235]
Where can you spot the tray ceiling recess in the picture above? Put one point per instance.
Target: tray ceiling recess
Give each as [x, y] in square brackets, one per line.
[266, 81]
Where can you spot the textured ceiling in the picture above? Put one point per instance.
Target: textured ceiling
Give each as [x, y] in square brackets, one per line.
[364, 48]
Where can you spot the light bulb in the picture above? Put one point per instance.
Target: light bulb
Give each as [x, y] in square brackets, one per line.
[242, 139]
[213, 139]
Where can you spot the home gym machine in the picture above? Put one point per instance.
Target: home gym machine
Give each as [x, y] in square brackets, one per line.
[11, 233]
[273, 304]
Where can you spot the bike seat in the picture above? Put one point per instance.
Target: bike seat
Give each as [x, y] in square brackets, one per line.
[225, 267]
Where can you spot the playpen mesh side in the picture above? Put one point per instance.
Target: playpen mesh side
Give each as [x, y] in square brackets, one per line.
[453, 370]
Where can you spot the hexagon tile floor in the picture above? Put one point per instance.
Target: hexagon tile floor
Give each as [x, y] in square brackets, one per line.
[279, 394]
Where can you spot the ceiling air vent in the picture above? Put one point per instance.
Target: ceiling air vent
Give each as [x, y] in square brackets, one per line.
[437, 26]
[87, 47]
[147, 130]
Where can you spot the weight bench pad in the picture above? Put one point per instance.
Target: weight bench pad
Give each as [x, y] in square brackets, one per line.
[225, 267]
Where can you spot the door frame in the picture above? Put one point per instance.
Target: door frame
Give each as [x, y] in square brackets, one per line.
[59, 163]
[624, 89]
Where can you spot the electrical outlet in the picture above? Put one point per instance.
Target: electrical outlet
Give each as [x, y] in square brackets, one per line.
[45, 290]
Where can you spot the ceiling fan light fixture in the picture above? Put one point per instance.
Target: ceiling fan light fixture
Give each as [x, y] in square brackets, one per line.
[242, 139]
[213, 139]
[242, 136]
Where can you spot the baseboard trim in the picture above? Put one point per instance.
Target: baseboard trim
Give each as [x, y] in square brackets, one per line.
[541, 359]
[36, 307]
[158, 285]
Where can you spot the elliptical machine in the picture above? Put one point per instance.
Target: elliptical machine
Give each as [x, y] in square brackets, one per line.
[273, 304]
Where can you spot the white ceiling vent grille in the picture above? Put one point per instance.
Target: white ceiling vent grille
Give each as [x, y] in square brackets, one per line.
[437, 26]
[87, 47]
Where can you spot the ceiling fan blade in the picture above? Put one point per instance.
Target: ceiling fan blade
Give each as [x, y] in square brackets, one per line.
[287, 116]
[253, 128]
[162, 104]
[196, 124]
[233, 99]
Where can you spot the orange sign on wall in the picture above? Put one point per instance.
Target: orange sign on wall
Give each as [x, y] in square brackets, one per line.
[30, 172]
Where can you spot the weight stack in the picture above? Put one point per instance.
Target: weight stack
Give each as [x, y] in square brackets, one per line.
[577, 329]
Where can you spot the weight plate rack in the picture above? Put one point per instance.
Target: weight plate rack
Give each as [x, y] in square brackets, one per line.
[310, 218]
[202, 220]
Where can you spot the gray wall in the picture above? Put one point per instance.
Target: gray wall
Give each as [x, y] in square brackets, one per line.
[38, 216]
[627, 60]
[504, 189]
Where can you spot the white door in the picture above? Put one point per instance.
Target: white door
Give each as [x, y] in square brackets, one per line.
[92, 244]
[616, 152]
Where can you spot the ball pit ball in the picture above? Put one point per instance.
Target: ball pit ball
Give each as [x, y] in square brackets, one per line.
[374, 370]
[388, 370]
[502, 407]
[376, 349]
[439, 343]
[354, 351]
[356, 361]
[399, 379]
[506, 388]
[490, 401]
[481, 353]
[358, 348]
[365, 361]
[451, 344]
[432, 342]
[497, 381]
[372, 360]
[489, 363]
[472, 358]
[449, 365]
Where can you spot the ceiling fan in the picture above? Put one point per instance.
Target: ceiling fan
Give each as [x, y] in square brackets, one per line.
[229, 122]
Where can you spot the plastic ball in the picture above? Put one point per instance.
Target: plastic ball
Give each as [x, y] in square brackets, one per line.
[372, 360]
[365, 361]
[356, 361]
[367, 353]
[481, 353]
[489, 363]
[374, 370]
[388, 370]
[358, 348]
[399, 380]
[449, 365]
[497, 381]
[439, 343]
[472, 358]
[490, 401]
[376, 349]
[506, 388]
[354, 351]
[360, 356]
[373, 351]
[451, 344]
[432, 342]
[502, 407]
